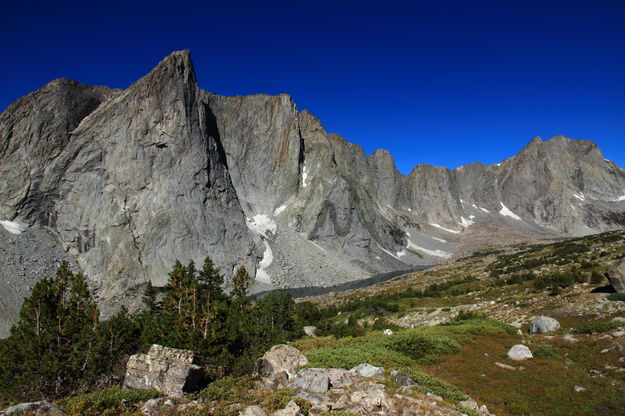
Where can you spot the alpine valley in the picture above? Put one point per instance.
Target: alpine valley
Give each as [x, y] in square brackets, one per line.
[122, 183]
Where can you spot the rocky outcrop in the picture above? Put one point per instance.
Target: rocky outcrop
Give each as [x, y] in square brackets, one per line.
[168, 370]
[129, 181]
[616, 276]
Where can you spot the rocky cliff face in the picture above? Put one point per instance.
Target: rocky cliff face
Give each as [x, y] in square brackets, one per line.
[129, 181]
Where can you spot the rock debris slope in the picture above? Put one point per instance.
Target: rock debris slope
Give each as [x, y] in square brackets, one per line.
[129, 181]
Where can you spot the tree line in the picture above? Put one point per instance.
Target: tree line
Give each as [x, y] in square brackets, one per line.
[59, 347]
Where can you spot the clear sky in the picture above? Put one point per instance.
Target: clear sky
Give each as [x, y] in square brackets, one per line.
[441, 82]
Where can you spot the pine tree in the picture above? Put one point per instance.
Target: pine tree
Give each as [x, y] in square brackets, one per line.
[51, 350]
[149, 299]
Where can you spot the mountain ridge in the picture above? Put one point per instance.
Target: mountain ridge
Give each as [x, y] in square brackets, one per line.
[131, 180]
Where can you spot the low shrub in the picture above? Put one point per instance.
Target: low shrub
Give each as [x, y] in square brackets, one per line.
[228, 389]
[617, 297]
[108, 402]
[544, 351]
[280, 398]
[598, 326]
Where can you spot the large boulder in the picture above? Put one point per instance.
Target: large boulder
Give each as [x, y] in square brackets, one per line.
[168, 370]
[280, 358]
[41, 408]
[616, 276]
[519, 352]
[368, 370]
[544, 324]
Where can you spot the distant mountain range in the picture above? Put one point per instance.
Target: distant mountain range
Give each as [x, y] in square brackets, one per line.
[128, 181]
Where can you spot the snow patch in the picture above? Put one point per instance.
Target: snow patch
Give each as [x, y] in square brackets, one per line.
[279, 210]
[388, 252]
[304, 176]
[401, 253]
[261, 273]
[440, 239]
[485, 210]
[444, 229]
[261, 224]
[408, 234]
[579, 196]
[506, 212]
[467, 222]
[436, 253]
[317, 245]
[12, 227]
[620, 198]
[409, 210]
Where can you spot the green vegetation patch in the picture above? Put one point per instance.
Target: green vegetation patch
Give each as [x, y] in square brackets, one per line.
[280, 398]
[617, 297]
[228, 389]
[108, 402]
[405, 350]
[597, 326]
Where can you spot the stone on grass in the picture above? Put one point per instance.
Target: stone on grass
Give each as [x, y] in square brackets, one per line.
[616, 276]
[618, 319]
[280, 358]
[310, 331]
[291, 409]
[41, 408]
[519, 352]
[618, 333]
[569, 338]
[253, 411]
[388, 332]
[368, 370]
[579, 389]
[505, 366]
[544, 324]
[168, 370]
[402, 379]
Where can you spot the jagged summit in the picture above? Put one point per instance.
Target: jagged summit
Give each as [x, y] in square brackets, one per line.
[129, 181]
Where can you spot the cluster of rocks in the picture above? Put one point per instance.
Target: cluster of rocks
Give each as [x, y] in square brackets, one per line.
[358, 390]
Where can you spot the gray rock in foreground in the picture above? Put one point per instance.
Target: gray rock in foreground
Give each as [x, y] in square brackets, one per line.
[616, 276]
[544, 324]
[41, 408]
[280, 358]
[368, 370]
[168, 370]
[519, 352]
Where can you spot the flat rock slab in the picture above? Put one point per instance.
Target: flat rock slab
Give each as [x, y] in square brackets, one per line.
[368, 370]
[312, 380]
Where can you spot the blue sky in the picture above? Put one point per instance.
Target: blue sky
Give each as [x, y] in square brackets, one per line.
[440, 82]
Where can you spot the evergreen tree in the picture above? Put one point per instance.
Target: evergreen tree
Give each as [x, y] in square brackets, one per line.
[149, 299]
[52, 347]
